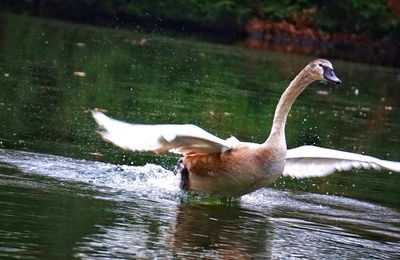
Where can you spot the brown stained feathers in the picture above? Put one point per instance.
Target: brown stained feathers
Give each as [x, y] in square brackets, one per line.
[235, 172]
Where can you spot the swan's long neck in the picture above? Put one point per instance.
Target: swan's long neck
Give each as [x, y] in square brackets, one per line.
[298, 84]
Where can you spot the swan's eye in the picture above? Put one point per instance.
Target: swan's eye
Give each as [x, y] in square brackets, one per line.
[320, 65]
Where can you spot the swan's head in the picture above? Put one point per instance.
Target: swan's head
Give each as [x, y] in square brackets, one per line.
[323, 70]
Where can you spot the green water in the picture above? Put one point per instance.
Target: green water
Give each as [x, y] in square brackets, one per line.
[74, 207]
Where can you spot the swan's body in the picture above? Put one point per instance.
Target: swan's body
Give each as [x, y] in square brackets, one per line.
[233, 168]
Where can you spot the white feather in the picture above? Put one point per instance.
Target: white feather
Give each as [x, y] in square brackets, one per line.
[184, 139]
[311, 161]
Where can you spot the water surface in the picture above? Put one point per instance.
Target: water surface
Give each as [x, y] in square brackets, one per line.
[61, 198]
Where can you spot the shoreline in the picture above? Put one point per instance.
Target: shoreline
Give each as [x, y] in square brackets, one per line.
[283, 36]
[302, 38]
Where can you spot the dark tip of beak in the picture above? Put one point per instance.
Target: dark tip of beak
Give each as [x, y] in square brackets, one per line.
[338, 81]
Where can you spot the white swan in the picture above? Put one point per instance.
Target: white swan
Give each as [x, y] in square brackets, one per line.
[233, 168]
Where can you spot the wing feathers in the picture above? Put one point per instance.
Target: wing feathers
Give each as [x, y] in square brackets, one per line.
[158, 138]
[301, 162]
[312, 161]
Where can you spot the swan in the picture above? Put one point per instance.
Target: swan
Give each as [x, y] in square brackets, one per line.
[232, 168]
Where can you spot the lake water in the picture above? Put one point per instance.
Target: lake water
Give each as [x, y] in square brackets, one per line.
[64, 193]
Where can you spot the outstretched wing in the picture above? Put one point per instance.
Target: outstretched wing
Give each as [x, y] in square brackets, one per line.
[311, 161]
[184, 139]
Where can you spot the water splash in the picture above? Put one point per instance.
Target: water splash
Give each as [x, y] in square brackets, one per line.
[149, 180]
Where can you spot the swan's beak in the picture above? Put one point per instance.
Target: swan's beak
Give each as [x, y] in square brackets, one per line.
[329, 75]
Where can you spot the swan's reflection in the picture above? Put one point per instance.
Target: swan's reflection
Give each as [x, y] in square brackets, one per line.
[222, 231]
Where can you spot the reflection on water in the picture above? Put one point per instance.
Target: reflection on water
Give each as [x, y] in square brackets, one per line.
[221, 231]
[120, 212]
[64, 204]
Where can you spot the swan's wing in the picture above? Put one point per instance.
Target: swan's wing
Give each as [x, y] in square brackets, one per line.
[185, 139]
[311, 161]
